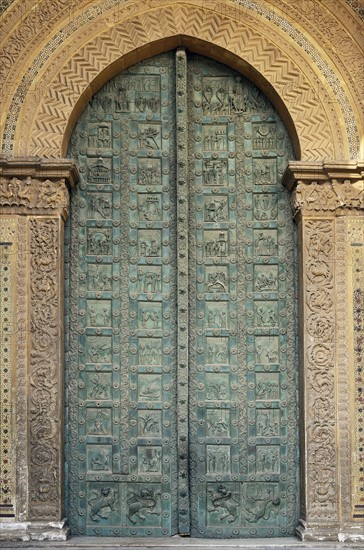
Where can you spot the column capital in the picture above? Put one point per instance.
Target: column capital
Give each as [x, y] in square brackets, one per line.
[325, 188]
[36, 186]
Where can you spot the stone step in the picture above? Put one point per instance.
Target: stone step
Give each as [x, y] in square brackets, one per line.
[177, 542]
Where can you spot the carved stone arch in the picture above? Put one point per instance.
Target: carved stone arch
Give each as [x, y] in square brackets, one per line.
[97, 49]
[196, 45]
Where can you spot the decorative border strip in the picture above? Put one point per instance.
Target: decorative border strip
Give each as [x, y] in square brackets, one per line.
[8, 250]
[44, 390]
[95, 11]
[21, 371]
[330, 76]
[343, 396]
[356, 239]
[182, 285]
[357, 7]
[320, 406]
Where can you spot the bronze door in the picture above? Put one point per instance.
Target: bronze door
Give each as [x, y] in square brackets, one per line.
[181, 378]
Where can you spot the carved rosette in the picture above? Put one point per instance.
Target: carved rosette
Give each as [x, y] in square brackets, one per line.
[318, 238]
[325, 198]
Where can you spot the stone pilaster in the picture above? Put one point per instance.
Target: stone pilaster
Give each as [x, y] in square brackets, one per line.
[34, 204]
[327, 199]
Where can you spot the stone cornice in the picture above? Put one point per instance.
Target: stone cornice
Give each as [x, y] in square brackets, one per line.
[34, 186]
[322, 189]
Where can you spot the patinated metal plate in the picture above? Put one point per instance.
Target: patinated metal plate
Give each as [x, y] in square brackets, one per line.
[181, 380]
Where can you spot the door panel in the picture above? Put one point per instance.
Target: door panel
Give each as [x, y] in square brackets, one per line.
[123, 308]
[181, 377]
[242, 359]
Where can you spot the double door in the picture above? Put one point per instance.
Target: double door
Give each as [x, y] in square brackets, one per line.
[181, 368]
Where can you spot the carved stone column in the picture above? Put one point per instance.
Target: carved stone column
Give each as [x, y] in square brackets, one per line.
[34, 204]
[328, 205]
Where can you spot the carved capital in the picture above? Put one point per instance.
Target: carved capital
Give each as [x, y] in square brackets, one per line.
[326, 189]
[36, 186]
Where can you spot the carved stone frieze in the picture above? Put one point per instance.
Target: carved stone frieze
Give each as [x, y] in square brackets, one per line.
[29, 186]
[325, 189]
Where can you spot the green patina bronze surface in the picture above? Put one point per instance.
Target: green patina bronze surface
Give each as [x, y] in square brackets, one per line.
[182, 369]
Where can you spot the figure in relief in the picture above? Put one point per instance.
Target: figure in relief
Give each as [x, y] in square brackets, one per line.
[149, 247]
[217, 391]
[224, 502]
[267, 422]
[100, 461]
[143, 502]
[99, 243]
[102, 504]
[99, 390]
[218, 459]
[265, 245]
[215, 210]
[216, 282]
[98, 426]
[150, 352]
[265, 137]
[99, 206]
[261, 505]
[149, 208]
[265, 282]
[217, 247]
[148, 173]
[148, 424]
[15, 192]
[214, 172]
[217, 423]
[267, 460]
[149, 460]
[148, 138]
[149, 281]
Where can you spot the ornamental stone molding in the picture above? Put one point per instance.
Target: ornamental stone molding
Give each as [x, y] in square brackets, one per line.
[33, 207]
[326, 188]
[327, 201]
[55, 58]
[35, 187]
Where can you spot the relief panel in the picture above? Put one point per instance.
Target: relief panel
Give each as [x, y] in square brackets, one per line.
[182, 380]
[243, 410]
[122, 294]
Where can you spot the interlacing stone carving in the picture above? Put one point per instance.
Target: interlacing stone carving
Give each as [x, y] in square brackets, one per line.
[34, 197]
[327, 201]
[45, 340]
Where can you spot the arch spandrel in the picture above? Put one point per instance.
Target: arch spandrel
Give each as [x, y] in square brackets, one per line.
[84, 63]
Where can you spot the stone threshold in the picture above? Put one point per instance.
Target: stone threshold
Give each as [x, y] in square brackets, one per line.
[185, 543]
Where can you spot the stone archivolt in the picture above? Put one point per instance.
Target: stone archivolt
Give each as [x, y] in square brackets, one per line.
[68, 65]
